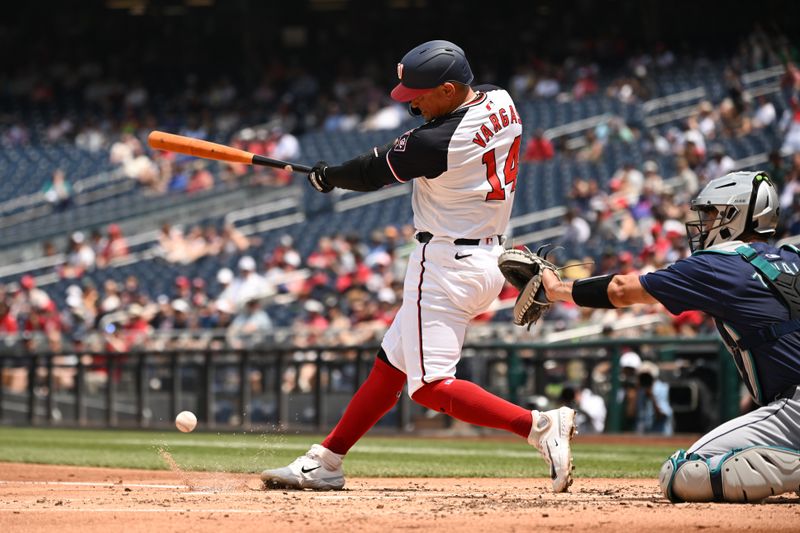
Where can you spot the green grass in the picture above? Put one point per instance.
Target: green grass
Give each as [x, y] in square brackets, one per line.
[372, 456]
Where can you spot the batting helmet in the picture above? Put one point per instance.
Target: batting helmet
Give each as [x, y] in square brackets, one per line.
[741, 202]
[429, 65]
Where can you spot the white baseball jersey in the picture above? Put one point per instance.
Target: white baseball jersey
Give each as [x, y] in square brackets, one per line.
[466, 164]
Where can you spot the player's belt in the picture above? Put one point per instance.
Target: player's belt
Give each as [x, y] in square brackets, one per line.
[426, 236]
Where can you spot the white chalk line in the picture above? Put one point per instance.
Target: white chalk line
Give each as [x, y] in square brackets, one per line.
[95, 484]
[213, 491]
[367, 448]
[106, 510]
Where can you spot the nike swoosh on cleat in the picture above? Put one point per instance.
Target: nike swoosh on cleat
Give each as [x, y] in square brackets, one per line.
[303, 469]
[552, 467]
[464, 256]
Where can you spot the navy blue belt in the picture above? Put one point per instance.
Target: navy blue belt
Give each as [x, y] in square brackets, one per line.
[426, 236]
[788, 393]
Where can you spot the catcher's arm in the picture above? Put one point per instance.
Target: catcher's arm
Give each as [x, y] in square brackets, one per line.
[621, 290]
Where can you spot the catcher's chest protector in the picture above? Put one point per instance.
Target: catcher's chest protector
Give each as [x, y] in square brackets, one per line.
[782, 277]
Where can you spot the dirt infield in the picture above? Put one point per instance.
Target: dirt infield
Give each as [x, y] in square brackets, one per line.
[66, 499]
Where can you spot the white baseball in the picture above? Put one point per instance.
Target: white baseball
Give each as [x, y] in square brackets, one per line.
[186, 421]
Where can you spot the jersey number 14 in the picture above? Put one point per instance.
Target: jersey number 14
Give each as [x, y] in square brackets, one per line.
[510, 170]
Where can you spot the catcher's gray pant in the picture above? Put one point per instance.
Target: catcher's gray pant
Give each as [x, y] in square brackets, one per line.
[745, 459]
[776, 424]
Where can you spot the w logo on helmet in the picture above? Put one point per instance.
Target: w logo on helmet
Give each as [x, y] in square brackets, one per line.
[399, 71]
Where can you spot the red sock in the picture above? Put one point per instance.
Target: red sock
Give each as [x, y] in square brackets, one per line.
[468, 402]
[373, 399]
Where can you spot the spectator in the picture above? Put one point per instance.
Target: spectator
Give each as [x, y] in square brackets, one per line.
[719, 164]
[547, 86]
[706, 120]
[629, 363]
[90, 138]
[765, 115]
[111, 301]
[790, 126]
[180, 315]
[58, 191]
[284, 146]
[383, 118]
[171, 244]
[129, 153]
[80, 257]
[627, 184]
[688, 184]
[249, 285]
[200, 179]
[653, 412]
[250, 326]
[183, 288]
[586, 83]
[234, 241]
[592, 151]
[195, 245]
[199, 296]
[577, 231]
[653, 182]
[213, 240]
[116, 247]
[137, 328]
[224, 279]
[315, 319]
[8, 322]
[43, 318]
[539, 148]
[589, 407]
[733, 120]
[30, 297]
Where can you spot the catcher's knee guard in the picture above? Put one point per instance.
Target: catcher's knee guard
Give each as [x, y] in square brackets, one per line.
[746, 475]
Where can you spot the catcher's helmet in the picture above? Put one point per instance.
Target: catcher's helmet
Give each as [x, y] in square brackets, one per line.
[429, 65]
[741, 203]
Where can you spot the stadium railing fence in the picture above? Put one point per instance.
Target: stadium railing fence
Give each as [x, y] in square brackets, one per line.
[307, 388]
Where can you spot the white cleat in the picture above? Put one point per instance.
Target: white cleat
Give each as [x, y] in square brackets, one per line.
[551, 434]
[318, 469]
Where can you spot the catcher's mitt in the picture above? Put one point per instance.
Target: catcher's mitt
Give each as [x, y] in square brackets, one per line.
[523, 269]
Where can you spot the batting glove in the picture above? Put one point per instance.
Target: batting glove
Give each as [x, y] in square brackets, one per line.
[317, 177]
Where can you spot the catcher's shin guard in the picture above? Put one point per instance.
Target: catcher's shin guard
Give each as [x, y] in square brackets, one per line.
[742, 475]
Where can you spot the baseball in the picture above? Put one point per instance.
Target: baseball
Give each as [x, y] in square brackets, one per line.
[186, 421]
[288, 167]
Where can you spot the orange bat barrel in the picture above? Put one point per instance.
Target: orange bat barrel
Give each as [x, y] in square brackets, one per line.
[160, 140]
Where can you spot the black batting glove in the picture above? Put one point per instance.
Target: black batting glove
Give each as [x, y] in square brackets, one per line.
[317, 177]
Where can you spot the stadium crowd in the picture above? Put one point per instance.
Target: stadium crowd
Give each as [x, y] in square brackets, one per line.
[347, 290]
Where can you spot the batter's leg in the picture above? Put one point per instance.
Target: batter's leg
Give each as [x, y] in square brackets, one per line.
[373, 399]
[321, 467]
[550, 432]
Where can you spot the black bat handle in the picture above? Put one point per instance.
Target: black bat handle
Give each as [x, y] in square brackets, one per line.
[277, 163]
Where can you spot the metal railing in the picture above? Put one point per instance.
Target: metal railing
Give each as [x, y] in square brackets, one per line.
[309, 387]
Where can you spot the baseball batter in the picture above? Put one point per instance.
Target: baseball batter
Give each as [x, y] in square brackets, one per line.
[752, 290]
[463, 162]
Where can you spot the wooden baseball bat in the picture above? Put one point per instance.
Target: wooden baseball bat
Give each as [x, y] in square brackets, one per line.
[170, 142]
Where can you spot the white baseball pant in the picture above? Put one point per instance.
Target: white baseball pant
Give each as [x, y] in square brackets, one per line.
[446, 286]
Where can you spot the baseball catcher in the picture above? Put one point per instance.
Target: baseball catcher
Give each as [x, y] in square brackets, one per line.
[752, 291]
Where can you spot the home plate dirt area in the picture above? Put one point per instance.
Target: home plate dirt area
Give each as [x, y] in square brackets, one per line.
[72, 499]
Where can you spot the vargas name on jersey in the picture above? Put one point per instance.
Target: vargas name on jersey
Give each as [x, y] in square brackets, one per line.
[467, 162]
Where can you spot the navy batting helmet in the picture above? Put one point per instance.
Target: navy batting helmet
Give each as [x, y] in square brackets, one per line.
[429, 65]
